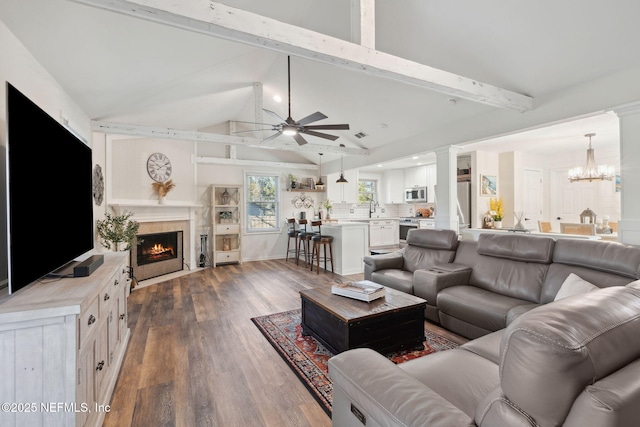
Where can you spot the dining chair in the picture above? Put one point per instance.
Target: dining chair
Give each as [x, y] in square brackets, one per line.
[544, 226]
[584, 229]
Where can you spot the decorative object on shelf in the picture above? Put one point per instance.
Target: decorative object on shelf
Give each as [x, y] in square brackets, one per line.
[497, 211]
[519, 217]
[162, 188]
[591, 171]
[488, 185]
[302, 201]
[226, 217]
[225, 197]
[159, 167]
[117, 229]
[487, 221]
[319, 183]
[293, 180]
[342, 179]
[226, 244]
[98, 185]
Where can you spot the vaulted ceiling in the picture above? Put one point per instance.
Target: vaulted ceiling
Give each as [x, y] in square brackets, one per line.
[125, 69]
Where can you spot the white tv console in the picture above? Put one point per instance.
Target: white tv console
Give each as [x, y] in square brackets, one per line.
[62, 343]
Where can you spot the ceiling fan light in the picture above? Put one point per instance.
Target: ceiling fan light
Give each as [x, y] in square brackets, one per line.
[289, 130]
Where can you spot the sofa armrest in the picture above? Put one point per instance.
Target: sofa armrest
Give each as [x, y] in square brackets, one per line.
[368, 384]
[427, 283]
[394, 260]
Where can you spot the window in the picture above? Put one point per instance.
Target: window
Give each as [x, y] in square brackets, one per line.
[262, 203]
[367, 191]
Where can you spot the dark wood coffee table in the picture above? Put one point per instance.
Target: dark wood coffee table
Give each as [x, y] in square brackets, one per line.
[392, 323]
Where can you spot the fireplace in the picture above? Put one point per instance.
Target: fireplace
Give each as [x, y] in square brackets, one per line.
[155, 254]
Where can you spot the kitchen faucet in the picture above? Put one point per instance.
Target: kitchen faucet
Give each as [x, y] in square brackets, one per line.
[372, 206]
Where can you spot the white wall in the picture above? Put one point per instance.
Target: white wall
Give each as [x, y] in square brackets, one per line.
[18, 67]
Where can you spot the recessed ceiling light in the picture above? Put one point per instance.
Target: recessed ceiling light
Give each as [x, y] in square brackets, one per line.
[277, 98]
[379, 166]
[419, 163]
[414, 157]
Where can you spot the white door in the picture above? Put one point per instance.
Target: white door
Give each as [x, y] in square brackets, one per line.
[568, 199]
[532, 198]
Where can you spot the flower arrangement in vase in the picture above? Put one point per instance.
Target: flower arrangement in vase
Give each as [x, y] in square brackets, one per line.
[162, 188]
[497, 211]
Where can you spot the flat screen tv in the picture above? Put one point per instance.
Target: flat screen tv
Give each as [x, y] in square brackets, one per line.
[49, 193]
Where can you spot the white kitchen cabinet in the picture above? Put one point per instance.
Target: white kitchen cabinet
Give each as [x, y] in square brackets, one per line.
[384, 233]
[415, 177]
[432, 178]
[392, 190]
[343, 193]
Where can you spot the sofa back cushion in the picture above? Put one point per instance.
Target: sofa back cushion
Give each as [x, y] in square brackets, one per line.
[602, 263]
[512, 265]
[551, 353]
[428, 247]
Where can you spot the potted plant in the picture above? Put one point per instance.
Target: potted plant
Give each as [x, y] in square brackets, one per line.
[117, 229]
[293, 179]
[326, 204]
[497, 211]
[226, 217]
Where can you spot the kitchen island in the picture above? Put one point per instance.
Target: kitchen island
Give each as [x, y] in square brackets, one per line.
[350, 246]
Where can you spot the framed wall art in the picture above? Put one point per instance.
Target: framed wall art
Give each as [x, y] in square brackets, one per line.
[488, 185]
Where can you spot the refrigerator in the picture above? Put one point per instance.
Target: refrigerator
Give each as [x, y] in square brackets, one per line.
[464, 205]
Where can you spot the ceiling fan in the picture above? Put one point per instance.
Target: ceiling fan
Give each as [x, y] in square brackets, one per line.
[294, 128]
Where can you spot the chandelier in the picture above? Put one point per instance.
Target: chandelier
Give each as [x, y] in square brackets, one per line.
[591, 171]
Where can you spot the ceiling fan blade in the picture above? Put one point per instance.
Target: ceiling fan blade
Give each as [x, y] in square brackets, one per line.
[274, 136]
[299, 139]
[311, 118]
[319, 134]
[328, 127]
[274, 115]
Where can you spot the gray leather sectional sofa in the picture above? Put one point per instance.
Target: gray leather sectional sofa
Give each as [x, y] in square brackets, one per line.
[536, 361]
[573, 362]
[475, 288]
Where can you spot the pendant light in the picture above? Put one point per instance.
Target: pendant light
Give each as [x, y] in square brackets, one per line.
[342, 179]
[591, 171]
[319, 183]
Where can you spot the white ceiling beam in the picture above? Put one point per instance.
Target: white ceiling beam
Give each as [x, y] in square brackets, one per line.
[259, 163]
[218, 20]
[363, 23]
[187, 135]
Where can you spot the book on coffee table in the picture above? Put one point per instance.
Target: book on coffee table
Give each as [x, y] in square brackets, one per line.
[363, 290]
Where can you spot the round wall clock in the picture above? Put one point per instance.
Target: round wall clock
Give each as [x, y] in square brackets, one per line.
[98, 185]
[159, 167]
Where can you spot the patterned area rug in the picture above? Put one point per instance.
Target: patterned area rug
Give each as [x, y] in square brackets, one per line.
[308, 358]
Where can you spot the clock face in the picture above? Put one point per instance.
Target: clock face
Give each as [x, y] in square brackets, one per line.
[159, 167]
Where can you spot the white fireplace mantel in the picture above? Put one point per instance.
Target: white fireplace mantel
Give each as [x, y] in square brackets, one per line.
[152, 211]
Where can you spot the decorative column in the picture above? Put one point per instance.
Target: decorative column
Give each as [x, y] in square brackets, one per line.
[629, 224]
[447, 189]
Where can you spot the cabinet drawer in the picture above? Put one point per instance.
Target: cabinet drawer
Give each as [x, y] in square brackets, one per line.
[227, 228]
[230, 256]
[88, 321]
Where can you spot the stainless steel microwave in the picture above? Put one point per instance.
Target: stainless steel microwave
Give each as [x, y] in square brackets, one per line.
[415, 195]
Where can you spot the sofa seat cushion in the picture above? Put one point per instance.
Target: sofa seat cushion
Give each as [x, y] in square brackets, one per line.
[477, 306]
[487, 346]
[401, 280]
[449, 372]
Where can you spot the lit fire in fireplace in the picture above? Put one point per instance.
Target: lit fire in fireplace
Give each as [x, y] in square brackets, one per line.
[159, 249]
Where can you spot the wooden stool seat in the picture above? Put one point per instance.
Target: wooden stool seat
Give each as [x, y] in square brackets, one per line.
[304, 242]
[320, 241]
[292, 233]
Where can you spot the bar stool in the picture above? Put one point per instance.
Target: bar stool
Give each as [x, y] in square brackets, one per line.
[292, 233]
[304, 242]
[318, 240]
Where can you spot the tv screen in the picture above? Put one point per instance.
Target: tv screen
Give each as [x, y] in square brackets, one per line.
[49, 193]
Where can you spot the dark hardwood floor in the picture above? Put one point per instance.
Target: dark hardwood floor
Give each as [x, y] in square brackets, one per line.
[196, 359]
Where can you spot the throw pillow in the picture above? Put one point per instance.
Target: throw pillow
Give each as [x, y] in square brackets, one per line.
[574, 285]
